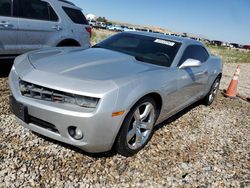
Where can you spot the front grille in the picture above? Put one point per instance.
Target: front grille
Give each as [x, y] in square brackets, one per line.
[43, 124]
[42, 93]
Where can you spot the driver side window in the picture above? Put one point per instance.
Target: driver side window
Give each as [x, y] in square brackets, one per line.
[5, 8]
[194, 52]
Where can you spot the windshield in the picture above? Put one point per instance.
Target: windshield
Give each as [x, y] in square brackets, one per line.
[144, 48]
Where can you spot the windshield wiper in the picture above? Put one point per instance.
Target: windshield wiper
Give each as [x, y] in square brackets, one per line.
[96, 46]
[139, 58]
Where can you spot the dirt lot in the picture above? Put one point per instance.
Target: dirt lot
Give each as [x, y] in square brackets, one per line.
[201, 147]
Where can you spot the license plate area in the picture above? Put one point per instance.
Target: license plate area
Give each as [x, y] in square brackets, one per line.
[20, 110]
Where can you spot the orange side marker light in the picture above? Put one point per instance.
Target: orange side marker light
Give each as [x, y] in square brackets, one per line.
[114, 114]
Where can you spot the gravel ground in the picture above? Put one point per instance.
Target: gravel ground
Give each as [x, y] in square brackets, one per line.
[244, 78]
[201, 147]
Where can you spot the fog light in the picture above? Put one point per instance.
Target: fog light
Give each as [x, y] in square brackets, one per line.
[75, 133]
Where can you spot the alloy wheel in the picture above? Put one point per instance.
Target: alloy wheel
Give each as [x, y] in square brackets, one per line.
[214, 91]
[141, 125]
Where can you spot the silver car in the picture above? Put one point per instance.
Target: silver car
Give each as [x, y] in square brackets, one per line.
[27, 25]
[113, 94]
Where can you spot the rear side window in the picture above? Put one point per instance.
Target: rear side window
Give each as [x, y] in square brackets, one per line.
[5, 7]
[195, 52]
[36, 9]
[52, 14]
[76, 16]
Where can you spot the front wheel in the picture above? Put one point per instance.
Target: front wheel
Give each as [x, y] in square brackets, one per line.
[210, 97]
[137, 128]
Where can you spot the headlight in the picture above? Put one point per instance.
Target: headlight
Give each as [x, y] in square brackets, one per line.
[13, 69]
[88, 102]
[83, 101]
[20, 59]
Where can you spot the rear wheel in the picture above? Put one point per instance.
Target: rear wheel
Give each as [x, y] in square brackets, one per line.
[210, 97]
[137, 128]
[68, 43]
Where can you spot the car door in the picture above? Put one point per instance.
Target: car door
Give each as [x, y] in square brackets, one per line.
[192, 80]
[39, 25]
[8, 28]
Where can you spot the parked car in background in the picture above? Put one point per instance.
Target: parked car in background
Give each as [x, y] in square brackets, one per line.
[143, 29]
[92, 23]
[114, 93]
[234, 45]
[216, 42]
[100, 25]
[247, 47]
[129, 29]
[225, 44]
[115, 28]
[27, 25]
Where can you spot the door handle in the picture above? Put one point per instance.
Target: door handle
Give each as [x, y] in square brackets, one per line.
[57, 27]
[205, 72]
[201, 73]
[5, 24]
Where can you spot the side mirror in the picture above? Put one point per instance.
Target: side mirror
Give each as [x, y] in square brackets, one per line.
[190, 63]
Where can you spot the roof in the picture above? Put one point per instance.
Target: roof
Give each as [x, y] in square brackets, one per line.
[167, 37]
[68, 2]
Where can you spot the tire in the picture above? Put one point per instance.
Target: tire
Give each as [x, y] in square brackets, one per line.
[136, 130]
[210, 97]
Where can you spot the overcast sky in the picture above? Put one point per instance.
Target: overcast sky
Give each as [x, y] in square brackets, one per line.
[226, 20]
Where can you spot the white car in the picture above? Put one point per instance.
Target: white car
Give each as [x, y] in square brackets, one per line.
[27, 25]
[92, 23]
[129, 29]
[115, 28]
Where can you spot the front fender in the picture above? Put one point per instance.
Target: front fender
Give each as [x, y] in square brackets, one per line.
[134, 89]
[215, 69]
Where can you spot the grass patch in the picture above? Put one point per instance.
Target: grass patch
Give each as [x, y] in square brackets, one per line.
[231, 55]
[99, 35]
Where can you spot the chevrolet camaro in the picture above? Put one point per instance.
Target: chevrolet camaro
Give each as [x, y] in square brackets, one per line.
[113, 94]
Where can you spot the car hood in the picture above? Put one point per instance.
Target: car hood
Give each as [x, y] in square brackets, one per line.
[89, 64]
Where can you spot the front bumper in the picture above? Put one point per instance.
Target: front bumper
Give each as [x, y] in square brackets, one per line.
[98, 125]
